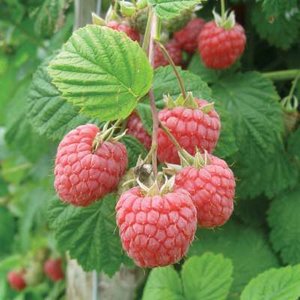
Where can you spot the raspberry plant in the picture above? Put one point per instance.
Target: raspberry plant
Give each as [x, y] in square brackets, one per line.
[166, 119]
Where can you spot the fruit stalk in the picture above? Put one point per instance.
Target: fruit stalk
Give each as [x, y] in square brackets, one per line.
[223, 9]
[282, 75]
[152, 19]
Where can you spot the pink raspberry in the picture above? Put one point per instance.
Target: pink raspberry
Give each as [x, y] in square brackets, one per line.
[16, 280]
[135, 128]
[156, 230]
[192, 128]
[174, 51]
[53, 269]
[220, 47]
[83, 175]
[212, 189]
[187, 37]
[131, 32]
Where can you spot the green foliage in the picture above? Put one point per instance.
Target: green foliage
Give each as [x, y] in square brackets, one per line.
[278, 7]
[168, 9]
[7, 230]
[48, 112]
[283, 218]
[89, 234]
[104, 83]
[274, 284]
[241, 244]
[207, 277]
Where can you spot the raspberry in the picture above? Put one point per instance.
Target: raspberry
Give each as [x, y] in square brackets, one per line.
[131, 32]
[174, 51]
[212, 190]
[83, 175]
[192, 128]
[16, 280]
[136, 129]
[53, 269]
[187, 37]
[220, 47]
[156, 230]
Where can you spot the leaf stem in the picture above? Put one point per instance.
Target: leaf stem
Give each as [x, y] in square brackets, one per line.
[223, 9]
[294, 84]
[282, 75]
[146, 40]
[171, 62]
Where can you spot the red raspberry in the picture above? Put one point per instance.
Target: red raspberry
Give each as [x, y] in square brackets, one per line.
[83, 176]
[16, 280]
[187, 37]
[156, 230]
[136, 129]
[192, 128]
[212, 190]
[219, 47]
[174, 51]
[53, 269]
[131, 32]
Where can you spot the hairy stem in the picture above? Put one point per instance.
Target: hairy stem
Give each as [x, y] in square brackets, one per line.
[153, 32]
[282, 75]
[171, 62]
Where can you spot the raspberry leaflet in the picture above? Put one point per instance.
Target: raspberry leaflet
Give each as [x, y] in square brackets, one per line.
[88, 165]
[135, 128]
[211, 185]
[194, 124]
[53, 269]
[187, 37]
[16, 280]
[221, 42]
[156, 227]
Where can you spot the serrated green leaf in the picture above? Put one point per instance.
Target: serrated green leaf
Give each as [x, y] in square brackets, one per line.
[168, 9]
[47, 111]
[274, 284]
[279, 7]
[280, 31]
[241, 244]
[283, 218]
[207, 277]
[102, 71]
[89, 234]
[163, 284]
[134, 150]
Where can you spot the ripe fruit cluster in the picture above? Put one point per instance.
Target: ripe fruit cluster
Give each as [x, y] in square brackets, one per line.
[157, 218]
[30, 276]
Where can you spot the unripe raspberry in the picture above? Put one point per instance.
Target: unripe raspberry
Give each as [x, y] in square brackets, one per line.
[131, 32]
[187, 37]
[135, 128]
[174, 51]
[16, 280]
[212, 189]
[156, 230]
[82, 174]
[53, 269]
[220, 47]
[192, 128]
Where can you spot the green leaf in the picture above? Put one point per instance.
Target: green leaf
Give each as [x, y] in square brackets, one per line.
[163, 284]
[89, 234]
[257, 118]
[134, 150]
[281, 31]
[283, 218]
[7, 231]
[144, 112]
[102, 71]
[274, 284]
[47, 111]
[168, 9]
[241, 244]
[207, 277]
[294, 145]
[279, 7]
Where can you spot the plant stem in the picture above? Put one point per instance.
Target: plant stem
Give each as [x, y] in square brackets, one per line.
[171, 137]
[171, 62]
[223, 9]
[294, 84]
[146, 40]
[152, 19]
[282, 75]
